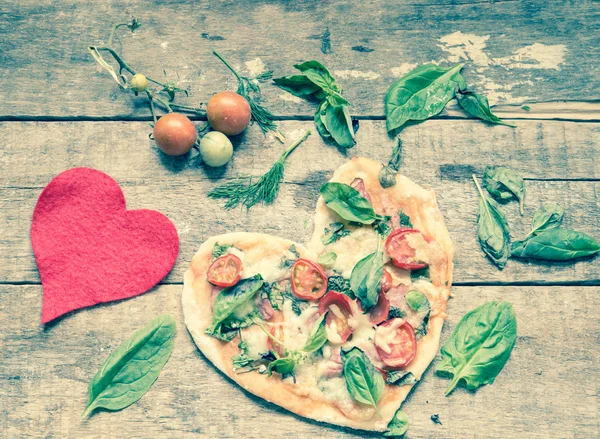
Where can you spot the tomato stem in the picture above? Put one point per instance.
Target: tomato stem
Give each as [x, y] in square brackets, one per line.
[227, 65]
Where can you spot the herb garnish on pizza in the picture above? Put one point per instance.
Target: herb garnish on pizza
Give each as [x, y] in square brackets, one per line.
[338, 331]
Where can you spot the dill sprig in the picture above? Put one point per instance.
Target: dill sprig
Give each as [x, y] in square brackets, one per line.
[249, 89]
[248, 193]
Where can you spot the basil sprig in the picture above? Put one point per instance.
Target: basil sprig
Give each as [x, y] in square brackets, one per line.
[548, 241]
[348, 203]
[227, 301]
[478, 106]
[504, 184]
[131, 369]
[479, 346]
[492, 229]
[365, 279]
[363, 381]
[398, 426]
[332, 117]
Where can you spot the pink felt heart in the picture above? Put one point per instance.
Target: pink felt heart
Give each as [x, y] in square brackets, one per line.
[89, 249]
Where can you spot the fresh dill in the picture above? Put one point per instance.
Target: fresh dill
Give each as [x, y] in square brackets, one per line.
[249, 88]
[248, 192]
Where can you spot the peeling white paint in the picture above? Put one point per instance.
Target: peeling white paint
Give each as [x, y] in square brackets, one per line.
[369, 76]
[289, 97]
[255, 67]
[465, 47]
[403, 69]
[164, 44]
[535, 56]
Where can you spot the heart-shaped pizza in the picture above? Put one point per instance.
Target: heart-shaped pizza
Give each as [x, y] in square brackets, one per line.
[338, 331]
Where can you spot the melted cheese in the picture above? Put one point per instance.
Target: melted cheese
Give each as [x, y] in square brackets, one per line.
[386, 334]
[256, 340]
[422, 248]
[332, 333]
[296, 329]
[352, 248]
[269, 268]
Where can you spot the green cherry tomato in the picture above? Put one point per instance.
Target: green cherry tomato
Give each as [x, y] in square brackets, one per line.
[138, 83]
[216, 149]
[174, 134]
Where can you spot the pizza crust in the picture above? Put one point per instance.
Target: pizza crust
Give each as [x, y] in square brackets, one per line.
[422, 208]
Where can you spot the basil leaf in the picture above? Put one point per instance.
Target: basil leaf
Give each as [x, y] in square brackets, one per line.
[504, 184]
[557, 244]
[283, 366]
[365, 279]
[416, 300]
[400, 378]
[272, 292]
[338, 123]
[334, 232]
[131, 369]
[404, 219]
[348, 203]
[364, 383]
[298, 305]
[549, 216]
[341, 285]
[382, 227]
[298, 85]
[421, 330]
[478, 106]
[479, 346]
[229, 299]
[220, 250]
[317, 337]
[421, 93]
[327, 259]
[492, 229]
[387, 174]
[319, 120]
[318, 74]
[398, 426]
[396, 313]
[421, 273]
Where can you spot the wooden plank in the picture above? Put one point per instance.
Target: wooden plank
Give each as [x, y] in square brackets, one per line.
[548, 388]
[518, 52]
[438, 154]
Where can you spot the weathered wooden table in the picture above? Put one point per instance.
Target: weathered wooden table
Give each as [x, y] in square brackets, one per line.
[59, 110]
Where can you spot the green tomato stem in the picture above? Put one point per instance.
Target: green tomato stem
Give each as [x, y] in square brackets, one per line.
[112, 33]
[227, 65]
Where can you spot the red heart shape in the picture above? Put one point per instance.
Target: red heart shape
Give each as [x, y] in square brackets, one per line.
[89, 249]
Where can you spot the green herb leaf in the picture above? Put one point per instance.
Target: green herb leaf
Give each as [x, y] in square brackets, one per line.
[348, 203]
[318, 74]
[283, 366]
[298, 305]
[526, 107]
[341, 285]
[364, 383]
[131, 369]
[298, 85]
[479, 346]
[400, 378]
[504, 184]
[492, 229]
[320, 120]
[556, 244]
[338, 124]
[287, 262]
[220, 250]
[327, 259]
[230, 299]
[365, 279]
[422, 273]
[398, 426]
[417, 300]
[396, 313]
[274, 294]
[549, 216]
[421, 330]
[478, 106]
[387, 174]
[404, 219]
[421, 93]
[334, 232]
[317, 337]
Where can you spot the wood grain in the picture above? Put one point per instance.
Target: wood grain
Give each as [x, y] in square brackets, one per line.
[548, 388]
[518, 51]
[559, 158]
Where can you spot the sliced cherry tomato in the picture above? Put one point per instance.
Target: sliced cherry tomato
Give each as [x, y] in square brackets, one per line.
[359, 185]
[396, 343]
[277, 332]
[225, 271]
[308, 280]
[381, 311]
[340, 309]
[386, 281]
[402, 254]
